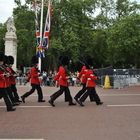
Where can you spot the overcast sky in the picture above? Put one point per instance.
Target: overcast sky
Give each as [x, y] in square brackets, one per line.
[6, 8]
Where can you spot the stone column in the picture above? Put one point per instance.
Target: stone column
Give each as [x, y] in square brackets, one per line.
[11, 41]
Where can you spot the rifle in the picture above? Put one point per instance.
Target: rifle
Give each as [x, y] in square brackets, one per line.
[6, 72]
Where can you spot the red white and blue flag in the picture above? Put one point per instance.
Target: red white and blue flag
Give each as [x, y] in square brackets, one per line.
[36, 24]
[45, 40]
[43, 44]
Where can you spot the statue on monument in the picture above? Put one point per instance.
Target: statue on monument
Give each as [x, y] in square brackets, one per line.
[11, 40]
[10, 25]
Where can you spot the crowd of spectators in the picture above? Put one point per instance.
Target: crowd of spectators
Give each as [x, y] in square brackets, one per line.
[46, 78]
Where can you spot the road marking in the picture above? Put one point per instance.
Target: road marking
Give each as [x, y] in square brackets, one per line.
[99, 94]
[34, 106]
[29, 107]
[119, 94]
[126, 105]
[21, 139]
[37, 95]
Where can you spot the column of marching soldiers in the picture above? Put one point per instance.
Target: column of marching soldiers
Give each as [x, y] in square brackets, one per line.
[8, 90]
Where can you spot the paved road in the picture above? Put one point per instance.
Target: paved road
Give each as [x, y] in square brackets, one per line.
[117, 119]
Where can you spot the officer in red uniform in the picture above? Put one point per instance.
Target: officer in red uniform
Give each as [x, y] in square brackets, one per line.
[56, 80]
[3, 85]
[8, 81]
[12, 79]
[35, 83]
[90, 85]
[81, 76]
[63, 83]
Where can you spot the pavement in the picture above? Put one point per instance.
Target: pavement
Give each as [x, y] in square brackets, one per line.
[117, 119]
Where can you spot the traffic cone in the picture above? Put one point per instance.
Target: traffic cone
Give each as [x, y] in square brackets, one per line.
[107, 82]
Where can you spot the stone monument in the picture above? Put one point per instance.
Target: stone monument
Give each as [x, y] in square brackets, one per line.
[11, 41]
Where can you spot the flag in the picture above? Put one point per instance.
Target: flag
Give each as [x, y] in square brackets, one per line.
[40, 52]
[36, 24]
[45, 40]
[43, 44]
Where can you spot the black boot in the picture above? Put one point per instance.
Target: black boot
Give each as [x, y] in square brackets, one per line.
[11, 109]
[51, 103]
[71, 104]
[41, 101]
[80, 103]
[23, 99]
[100, 103]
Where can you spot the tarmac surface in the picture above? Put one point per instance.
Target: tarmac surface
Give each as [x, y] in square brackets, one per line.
[117, 119]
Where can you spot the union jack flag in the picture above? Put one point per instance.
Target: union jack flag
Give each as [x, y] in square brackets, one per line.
[36, 24]
[37, 36]
[45, 40]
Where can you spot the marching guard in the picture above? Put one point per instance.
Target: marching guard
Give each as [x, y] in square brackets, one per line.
[82, 79]
[3, 84]
[90, 85]
[35, 82]
[56, 82]
[8, 81]
[62, 77]
[13, 79]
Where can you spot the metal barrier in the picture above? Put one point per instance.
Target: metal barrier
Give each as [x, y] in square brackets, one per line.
[119, 78]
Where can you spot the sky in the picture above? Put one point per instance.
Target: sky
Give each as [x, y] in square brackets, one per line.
[6, 9]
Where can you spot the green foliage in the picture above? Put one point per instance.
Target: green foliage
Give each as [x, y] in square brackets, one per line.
[123, 41]
[110, 36]
[2, 35]
[24, 22]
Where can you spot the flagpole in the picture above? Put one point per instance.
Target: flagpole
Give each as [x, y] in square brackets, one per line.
[41, 24]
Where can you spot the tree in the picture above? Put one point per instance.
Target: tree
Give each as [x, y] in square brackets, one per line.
[79, 31]
[2, 36]
[126, 8]
[123, 42]
[24, 22]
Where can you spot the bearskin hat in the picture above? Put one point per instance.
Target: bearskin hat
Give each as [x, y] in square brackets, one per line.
[1, 56]
[34, 60]
[6, 60]
[65, 60]
[11, 59]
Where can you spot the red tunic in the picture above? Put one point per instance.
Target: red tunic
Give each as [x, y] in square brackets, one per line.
[56, 77]
[34, 76]
[90, 78]
[81, 75]
[63, 79]
[2, 79]
[8, 73]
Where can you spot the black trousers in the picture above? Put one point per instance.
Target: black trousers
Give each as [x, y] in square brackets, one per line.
[66, 98]
[39, 92]
[90, 90]
[82, 91]
[62, 90]
[15, 94]
[10, 94]
[5, 96]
